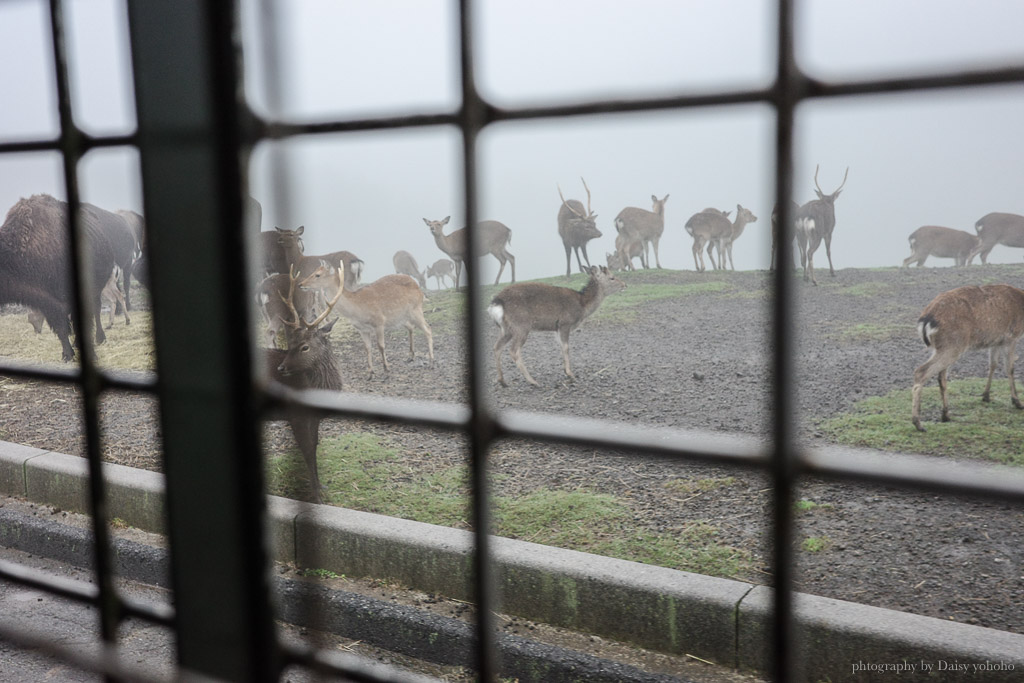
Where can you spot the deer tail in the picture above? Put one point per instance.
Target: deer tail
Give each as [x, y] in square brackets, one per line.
[926, 326]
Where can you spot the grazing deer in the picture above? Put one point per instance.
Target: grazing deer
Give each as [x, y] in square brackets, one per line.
[441, 269]
[576, 228]
[308, 363]
[627, 248]
[277, 299]
[935, 240]
[986, 317]
[712, 227]
[405, 264]
[527, 306]
[776, 217]
[492, 238]
[998, 228]
[281, 248]
[815, 222]
[345, 261]
[647, 226]
[388, 303]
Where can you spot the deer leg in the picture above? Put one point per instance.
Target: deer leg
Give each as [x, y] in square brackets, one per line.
[698, 247]
[563, 338]
[568, 260]
[516, 351]
[512, 264]
[127, 288]
[1010, 358]
[711, 256]
[657, 260]
[306, 430]
[101, 336]
[501, 268]
[828, 252]
[412, 349]
[380, 345]
[585, 257]
[933, 366]
[499, 346]
[993, 361]
[944, 393]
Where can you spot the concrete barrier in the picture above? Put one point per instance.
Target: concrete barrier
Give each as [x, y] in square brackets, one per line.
[656, 608]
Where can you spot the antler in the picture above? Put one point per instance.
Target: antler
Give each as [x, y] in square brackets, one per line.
[844, 179]
[567, 204]
[337, 295]
[840, 185]
[289, 301]
[590, 212]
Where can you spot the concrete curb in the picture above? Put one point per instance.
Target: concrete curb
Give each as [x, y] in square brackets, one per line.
[660, 609]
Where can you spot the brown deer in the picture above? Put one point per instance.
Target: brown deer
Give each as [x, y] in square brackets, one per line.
[388, 303]
[308, 363]
[281, 248]
[935, 240]
[815, 222]
[986, 317]
[442, 268]
[520, 309]
[627, 248]
[724, 243]
[712, 227]
[998, 228]
[576, 228]
[405, 264]
[277, 300]
[492, 238]
[647, 226]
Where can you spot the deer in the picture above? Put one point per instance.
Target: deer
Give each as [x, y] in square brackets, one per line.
[815, 222]
[935, 240]
[492, 238]
[962, 319]
[277, 298]
[281, 248]
[647, 226]
[522, 308]
[724, 243]
[391, 302]
[405, 264]
[576, 228]
[713, 228]
[997, 228]
[627, 248]
[307, 363]
[442, 268]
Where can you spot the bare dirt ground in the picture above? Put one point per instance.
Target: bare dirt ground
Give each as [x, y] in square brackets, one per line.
[698, 361]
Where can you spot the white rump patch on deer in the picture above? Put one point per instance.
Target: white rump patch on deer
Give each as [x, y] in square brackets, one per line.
[926, 330]
[497, 313]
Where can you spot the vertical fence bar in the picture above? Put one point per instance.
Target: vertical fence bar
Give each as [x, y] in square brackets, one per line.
[472, 119]
[782, 470]
[71, 147]
[186, 86]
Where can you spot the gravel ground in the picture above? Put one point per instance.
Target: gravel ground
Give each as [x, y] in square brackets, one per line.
[694, 362]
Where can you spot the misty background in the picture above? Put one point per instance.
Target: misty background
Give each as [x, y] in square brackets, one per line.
[943, 157]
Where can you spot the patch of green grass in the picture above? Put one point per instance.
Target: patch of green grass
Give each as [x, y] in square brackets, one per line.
[363, 473]
[804, 505]
[816, 544]
[320, 574]
[987, 431]
[624, 306]
[867, 289]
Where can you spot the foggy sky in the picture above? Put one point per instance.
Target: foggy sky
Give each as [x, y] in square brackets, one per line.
[943, 158]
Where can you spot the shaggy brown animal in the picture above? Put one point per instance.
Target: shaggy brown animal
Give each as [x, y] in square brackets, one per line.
[35, 262]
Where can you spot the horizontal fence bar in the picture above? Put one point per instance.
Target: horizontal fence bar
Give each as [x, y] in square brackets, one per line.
[83, 140]
[352, 667]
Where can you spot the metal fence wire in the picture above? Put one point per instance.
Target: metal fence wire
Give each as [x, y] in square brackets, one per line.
[194, 135]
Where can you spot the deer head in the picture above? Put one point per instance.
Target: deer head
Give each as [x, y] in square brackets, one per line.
[830, 198]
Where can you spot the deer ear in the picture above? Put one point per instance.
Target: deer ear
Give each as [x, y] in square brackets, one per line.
[445, 221]
[426, 221]
[654, 197]
[300, 229]
[326, 328]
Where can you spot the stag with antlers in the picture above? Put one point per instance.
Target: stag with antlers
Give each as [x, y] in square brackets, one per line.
[576, 228]
[308, 363]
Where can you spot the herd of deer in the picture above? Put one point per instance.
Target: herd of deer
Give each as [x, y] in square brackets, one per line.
[299, 292]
